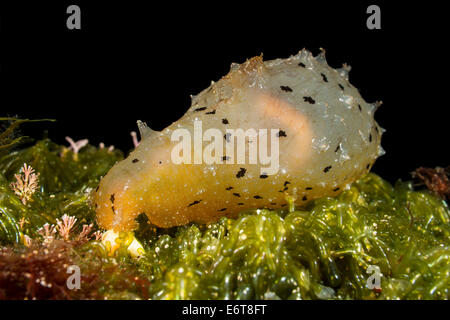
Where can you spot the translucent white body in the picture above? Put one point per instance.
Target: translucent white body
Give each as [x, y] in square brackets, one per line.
[328, 138]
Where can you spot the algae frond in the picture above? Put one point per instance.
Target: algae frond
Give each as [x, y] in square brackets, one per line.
[321, 251]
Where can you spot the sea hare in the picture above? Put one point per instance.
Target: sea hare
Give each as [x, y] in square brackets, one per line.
[267, 129]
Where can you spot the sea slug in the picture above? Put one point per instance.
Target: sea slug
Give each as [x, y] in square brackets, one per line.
[324, 131]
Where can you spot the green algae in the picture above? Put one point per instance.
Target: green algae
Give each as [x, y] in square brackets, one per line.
[321, 251]
[65, 184]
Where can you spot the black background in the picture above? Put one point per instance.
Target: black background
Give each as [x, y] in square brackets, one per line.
[275, 309]
[142, 61]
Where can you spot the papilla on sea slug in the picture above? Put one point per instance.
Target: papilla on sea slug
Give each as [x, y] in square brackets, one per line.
[327, 138]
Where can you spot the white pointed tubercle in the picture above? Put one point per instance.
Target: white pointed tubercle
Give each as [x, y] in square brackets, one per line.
[144, 130]
[234, 66]
[344, 71]
[374, 106]
[321, 56]
[378, 104]
[304, 55]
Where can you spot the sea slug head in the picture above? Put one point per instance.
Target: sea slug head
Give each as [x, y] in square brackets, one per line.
[119, 198]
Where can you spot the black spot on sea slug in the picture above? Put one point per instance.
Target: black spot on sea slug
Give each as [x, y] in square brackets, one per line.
[225, 158]
[336, 189]
[263, 176]
[228, 188]
[368, 166]
[135, 160]
[236, 194]
[211, 112]
[370, 137]
[359, 107]
[112, 198]
[308, 188]
[286, 88]
[337, 148]
[341, 86]
[324, 77]
[194, 203]
[241, 173]
[304, 198]
[240, 204]
[301, 64]
[200, 109]
[309, 99]
[96, 189]
[286, 183]
[227, 136]
[257, 197]
[281, 133]
[326, 169]
[273, 203]
[284, 189]
[225, 121]
[283, 205]
[223, 209]
[160, 162]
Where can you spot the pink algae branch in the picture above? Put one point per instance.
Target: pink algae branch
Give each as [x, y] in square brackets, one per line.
[75, 146]
[65, 226]
[135, 139]
[26, 184]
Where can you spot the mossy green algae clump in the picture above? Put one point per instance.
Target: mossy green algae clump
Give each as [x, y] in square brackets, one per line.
[321, 251]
